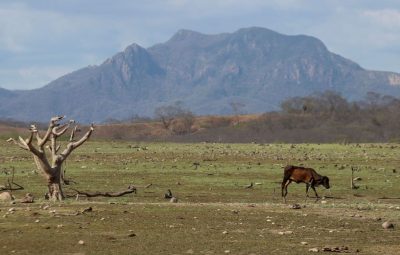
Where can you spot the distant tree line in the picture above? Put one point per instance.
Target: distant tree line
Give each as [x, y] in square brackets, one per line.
[320, 117]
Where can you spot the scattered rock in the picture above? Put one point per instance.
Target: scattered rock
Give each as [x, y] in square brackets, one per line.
[81, 242]
[304, 243]
[324, 202]
[12, 209]
[45, 207]
[295, 206]
[313, 250]
[89, 209]
[173, 200]
[357, 179]
[336, 249]
[37, 221]
[6, 196]
[28, 198]
[225, 232]
[34, 214]
[131, 235]
[227, 251]
[387, 225]
[285, 233]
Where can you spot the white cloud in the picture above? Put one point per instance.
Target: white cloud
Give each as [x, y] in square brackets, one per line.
[37, 38]
[389, 18]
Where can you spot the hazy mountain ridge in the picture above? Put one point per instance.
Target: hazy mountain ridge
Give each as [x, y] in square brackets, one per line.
[254, 66]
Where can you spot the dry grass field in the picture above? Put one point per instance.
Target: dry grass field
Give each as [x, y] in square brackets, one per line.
[215, 213]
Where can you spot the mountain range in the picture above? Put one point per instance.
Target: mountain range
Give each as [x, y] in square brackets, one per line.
[256, 67]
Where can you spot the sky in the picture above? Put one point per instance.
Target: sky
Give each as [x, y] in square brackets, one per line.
[41, 40]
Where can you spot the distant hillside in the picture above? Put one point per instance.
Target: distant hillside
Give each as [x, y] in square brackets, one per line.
[253, 66]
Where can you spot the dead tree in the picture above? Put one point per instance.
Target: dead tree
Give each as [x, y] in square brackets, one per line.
[175, 117]
[9, 185]
[49, 164]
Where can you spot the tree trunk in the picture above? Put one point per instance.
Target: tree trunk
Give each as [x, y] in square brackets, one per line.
[54, 185]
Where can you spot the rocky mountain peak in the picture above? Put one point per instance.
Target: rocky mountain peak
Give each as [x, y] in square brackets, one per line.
[185, 34]
[255, 66]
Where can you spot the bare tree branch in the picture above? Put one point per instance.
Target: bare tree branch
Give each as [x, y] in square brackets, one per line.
[60, 130]
[72, 136]
[52, 124]
[17, 143]
[73, 145]
[25, 144]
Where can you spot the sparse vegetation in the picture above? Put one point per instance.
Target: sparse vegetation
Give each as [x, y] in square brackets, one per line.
[176, 118]
[215, 212]
[319, 118]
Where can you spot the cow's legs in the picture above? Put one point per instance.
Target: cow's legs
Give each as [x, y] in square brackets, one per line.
[312, 186]
[307, 189]
[285, 184]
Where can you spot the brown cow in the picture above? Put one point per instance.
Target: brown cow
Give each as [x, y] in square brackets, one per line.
[301, 174]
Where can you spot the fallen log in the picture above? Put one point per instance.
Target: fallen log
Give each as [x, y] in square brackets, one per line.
[131, 189]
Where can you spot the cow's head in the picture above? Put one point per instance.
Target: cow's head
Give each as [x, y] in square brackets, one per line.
[325, 182]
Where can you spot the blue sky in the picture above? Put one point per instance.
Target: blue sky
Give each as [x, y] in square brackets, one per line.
[41, 40]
